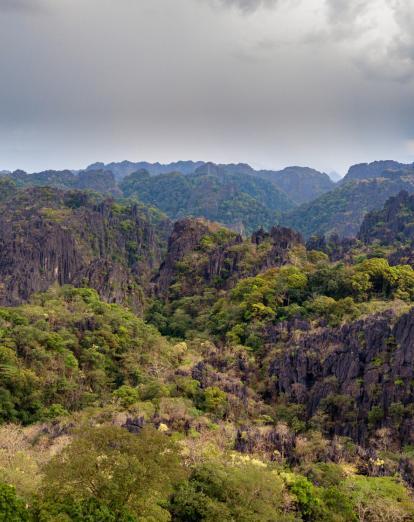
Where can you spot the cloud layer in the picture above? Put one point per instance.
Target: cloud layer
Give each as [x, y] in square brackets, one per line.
[319, 82]
[378, 35]
[21, 5]
[248, 5]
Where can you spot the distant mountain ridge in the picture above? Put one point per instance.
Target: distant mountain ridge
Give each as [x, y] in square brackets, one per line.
[375, 169]
[102, 181]
[238, 196]
[300, 184]
[125, 168]
[342, 210]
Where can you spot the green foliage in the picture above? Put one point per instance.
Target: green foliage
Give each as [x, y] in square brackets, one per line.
[246, 492]
[342, 210]
[109, 471]
[231, 199]
[214, 400]
[309, 503]
[68, 349]
[380, 498]
[12, 509]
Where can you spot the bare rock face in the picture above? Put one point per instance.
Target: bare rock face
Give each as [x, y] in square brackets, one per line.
[359, 376]
[336, 247]
[48, 236]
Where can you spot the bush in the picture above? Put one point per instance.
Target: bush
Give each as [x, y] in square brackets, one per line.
[12, 509]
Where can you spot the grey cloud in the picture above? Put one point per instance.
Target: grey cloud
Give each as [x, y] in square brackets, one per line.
[378, 53]
[344, 11]
[161, 80]
[29, 6]
[394, 59]
[247, 5]
[344, 16]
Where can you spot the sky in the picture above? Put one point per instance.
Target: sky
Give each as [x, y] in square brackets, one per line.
[322, 83]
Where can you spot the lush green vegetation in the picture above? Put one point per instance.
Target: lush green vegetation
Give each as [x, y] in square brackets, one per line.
[264, 382]
[83, 367]
[67, 349]
[311, 288]
[107, 474]
[239, 200]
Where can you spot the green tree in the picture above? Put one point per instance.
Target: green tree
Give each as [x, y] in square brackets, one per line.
[246, 491]
[124, 474]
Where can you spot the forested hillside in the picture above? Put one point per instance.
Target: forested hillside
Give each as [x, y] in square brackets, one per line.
[240, 201]
[238, 196]
[153, 371]
[343, 209]
[51, 236]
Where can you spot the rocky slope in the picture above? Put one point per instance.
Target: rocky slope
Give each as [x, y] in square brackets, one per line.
[48, 236]
[202, 254]
[352, 379]
[394, 223]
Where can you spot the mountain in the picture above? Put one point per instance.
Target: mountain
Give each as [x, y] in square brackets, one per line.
[48, 237]
[238, 200]
[304, 319]
[125, 168]
[342, 210]
[375, 169]
[102, 181]
[301, 184]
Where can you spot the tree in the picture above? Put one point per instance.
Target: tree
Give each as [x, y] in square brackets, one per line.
[380, 499]
[124, 474]
[246, 490]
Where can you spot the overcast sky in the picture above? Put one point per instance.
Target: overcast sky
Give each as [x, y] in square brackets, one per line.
[324, 83]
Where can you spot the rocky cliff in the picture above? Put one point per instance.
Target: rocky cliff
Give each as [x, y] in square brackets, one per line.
[48, 236]
[353, 379]
[202, 254]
